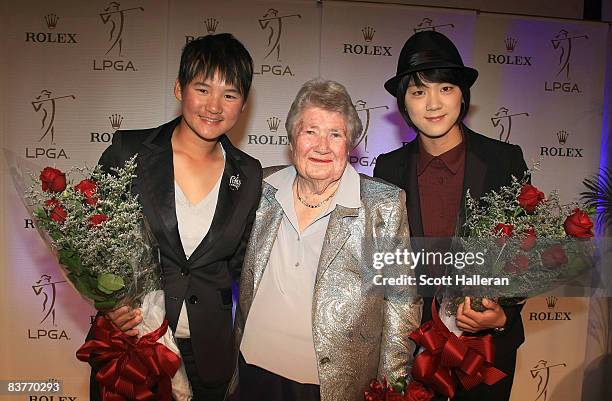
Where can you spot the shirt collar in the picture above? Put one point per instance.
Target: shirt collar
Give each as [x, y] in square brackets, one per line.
[347, 195]
[452, 158]
[349, 190]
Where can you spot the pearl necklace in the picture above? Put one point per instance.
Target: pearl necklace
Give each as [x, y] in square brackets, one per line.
[303, 202]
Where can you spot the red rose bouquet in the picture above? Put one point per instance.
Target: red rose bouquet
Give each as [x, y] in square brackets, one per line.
[98, 232]
[96, 227]
[529, 244]
[531, 240]
[397, 391]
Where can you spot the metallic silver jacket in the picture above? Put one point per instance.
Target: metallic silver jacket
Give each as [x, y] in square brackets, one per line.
[360, 330]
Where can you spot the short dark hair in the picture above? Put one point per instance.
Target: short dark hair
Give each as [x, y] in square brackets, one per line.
[222, 54]
[451, 75]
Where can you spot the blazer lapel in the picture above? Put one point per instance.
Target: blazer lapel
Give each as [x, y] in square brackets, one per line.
[159, 188]
[270, 214]
[475, 173]
[336, 235]
[409, 170]
[233, 182]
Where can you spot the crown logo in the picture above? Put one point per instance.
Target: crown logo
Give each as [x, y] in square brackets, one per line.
[368, 33]
[510, 44]
[211, 25]
[115, 120]
[562, 137]
[51, 20]
[273, 123]
[551, 301]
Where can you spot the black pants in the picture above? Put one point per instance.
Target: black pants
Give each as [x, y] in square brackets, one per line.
[202, 391]
[257, 384]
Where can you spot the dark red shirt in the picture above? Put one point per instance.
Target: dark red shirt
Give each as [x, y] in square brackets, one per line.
[440, 181]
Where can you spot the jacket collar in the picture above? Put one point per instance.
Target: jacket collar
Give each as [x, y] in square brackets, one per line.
[338, 230]
[475, 177]
[157, 171]
[233, 185]
[347, 195]
[476, 170]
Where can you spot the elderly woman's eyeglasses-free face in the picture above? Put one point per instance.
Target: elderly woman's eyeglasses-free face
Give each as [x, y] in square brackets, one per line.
[320, 146]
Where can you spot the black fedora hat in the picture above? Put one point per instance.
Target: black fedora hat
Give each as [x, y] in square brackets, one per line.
[428, 50]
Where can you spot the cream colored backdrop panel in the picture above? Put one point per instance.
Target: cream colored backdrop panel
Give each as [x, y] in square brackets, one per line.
[360, 45]
[283, 39]
[550, 363]
[541, 87]
[73, 72]
[77, 71]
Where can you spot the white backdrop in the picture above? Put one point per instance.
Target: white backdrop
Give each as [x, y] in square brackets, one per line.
[549, 100]
[73, 72]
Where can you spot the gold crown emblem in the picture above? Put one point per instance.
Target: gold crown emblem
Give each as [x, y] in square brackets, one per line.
[115, 120]
[510, 44]
[562, 137]
[211, 25]
[273, 123]
[368, 33]
[51, 20]
[551, 301]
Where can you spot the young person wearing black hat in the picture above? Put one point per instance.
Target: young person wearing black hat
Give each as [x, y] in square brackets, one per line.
[432, 87]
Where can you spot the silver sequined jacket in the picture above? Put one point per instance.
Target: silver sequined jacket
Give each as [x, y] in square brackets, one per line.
[360, 330]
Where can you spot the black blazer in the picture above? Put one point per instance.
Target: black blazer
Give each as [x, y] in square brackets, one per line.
[489, 165]
[204, 281]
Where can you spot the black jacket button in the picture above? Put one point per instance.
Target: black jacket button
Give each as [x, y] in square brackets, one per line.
[193, 300]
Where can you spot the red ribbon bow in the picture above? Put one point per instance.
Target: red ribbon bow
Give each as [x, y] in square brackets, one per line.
[448, 358]
[131, 366]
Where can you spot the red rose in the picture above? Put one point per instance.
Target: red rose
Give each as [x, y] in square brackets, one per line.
[56, 211]
[53, 180]
[554, 257]
[530, 239]
[376, 391]
[377, 386]
[416, 391]
[519, 264]
[88, 189]
[530, 197]
[97, 219]
[504, 231]
[578, 224]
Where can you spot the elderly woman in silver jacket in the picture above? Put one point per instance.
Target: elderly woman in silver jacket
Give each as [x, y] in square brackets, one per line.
[311, 324]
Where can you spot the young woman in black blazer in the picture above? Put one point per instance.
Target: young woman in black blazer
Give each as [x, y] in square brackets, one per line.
[191, 158]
